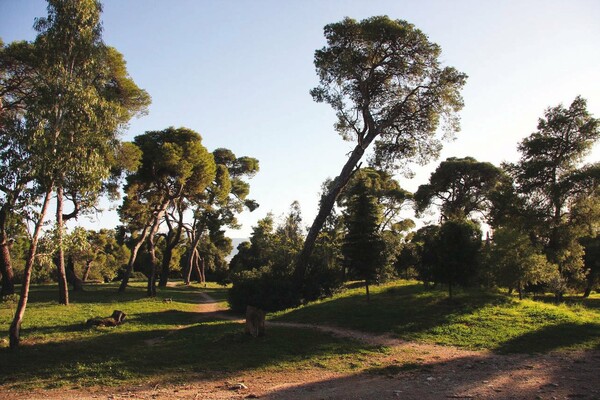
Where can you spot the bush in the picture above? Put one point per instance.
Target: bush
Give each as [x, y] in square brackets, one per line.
[262, 289]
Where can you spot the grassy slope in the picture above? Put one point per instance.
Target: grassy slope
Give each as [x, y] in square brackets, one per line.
[59, 351]
[473, 320]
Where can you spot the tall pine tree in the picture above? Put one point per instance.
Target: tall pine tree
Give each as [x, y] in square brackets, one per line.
[363, 247]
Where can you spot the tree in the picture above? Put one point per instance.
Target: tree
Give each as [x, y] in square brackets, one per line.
[384, 80]
[386, 190]
[423, 256]
[257, 252]
[363, 245]
[391, 198]
[457, 247]
[549, 178]
[459, 187]
[17, 164]
[83, 97]
[516, 262]
[223, 199]
[174, 164]
[80, 96]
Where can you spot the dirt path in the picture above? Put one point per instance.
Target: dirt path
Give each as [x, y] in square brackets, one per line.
[408, 371]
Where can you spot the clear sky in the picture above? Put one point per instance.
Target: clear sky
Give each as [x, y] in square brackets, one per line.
[239, 73]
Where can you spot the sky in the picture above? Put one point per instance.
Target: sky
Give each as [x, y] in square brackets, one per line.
[239, 72]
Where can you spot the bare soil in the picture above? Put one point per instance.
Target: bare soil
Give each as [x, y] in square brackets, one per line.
[409, 371]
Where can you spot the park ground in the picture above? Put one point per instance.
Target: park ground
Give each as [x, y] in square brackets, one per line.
[406, 343]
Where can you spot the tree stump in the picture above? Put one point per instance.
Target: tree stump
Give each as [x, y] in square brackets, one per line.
[255, 321]
[117, 318]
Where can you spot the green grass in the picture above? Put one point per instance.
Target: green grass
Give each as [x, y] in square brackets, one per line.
[165, 342]
[160, 342]
[474, 320]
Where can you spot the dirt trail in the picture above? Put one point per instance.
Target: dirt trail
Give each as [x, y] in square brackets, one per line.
[408, 371]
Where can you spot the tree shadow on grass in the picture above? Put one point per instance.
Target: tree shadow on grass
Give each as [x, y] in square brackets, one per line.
[404, 310]
[113, 356]
[553, 337]
[107, 294]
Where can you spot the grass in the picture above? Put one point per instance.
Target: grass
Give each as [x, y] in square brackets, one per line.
[165, 341]
[474, 320]
[160, 342]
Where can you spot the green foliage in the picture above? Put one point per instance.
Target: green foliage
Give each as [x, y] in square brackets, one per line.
[421, 253]
[459, 187]
[363, 246]
[263, 288]
[383, 78]
[550, 180]
[516, 263]
[457, 248]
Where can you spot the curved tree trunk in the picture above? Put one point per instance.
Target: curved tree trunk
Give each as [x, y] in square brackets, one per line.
[326, 205]
[15, 327]
[132, 257]
[86, 272]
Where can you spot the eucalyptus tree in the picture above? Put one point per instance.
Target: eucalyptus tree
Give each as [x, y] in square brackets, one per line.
[84, 96]
[549, 178]
[384, 79]
[17, 164]
[174, 164]
[459, 187]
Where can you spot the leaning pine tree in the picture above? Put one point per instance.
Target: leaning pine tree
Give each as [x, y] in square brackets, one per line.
[384, 80]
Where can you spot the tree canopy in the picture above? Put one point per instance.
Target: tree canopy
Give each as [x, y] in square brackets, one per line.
[384, 80]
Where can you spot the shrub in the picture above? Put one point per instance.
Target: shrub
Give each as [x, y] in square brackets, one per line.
[263, 289]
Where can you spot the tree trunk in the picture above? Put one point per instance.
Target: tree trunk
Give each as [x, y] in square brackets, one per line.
[86, 272]
[202, 270]
[520, 292]
[148, 230]
[6, 271]
[8, 280]
[72, 277]
[15, 327]
[326, 205]
[134, 251]
[151, 290]
[173, 239]
[367, 288]
[63, 289]
[166, 266]
[193, 249]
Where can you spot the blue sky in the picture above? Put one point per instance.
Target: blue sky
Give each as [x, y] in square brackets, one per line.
[239, 73]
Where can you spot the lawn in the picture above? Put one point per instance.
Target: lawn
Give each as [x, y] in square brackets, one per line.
[161, 341]
[168, 341]
[474, 320]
